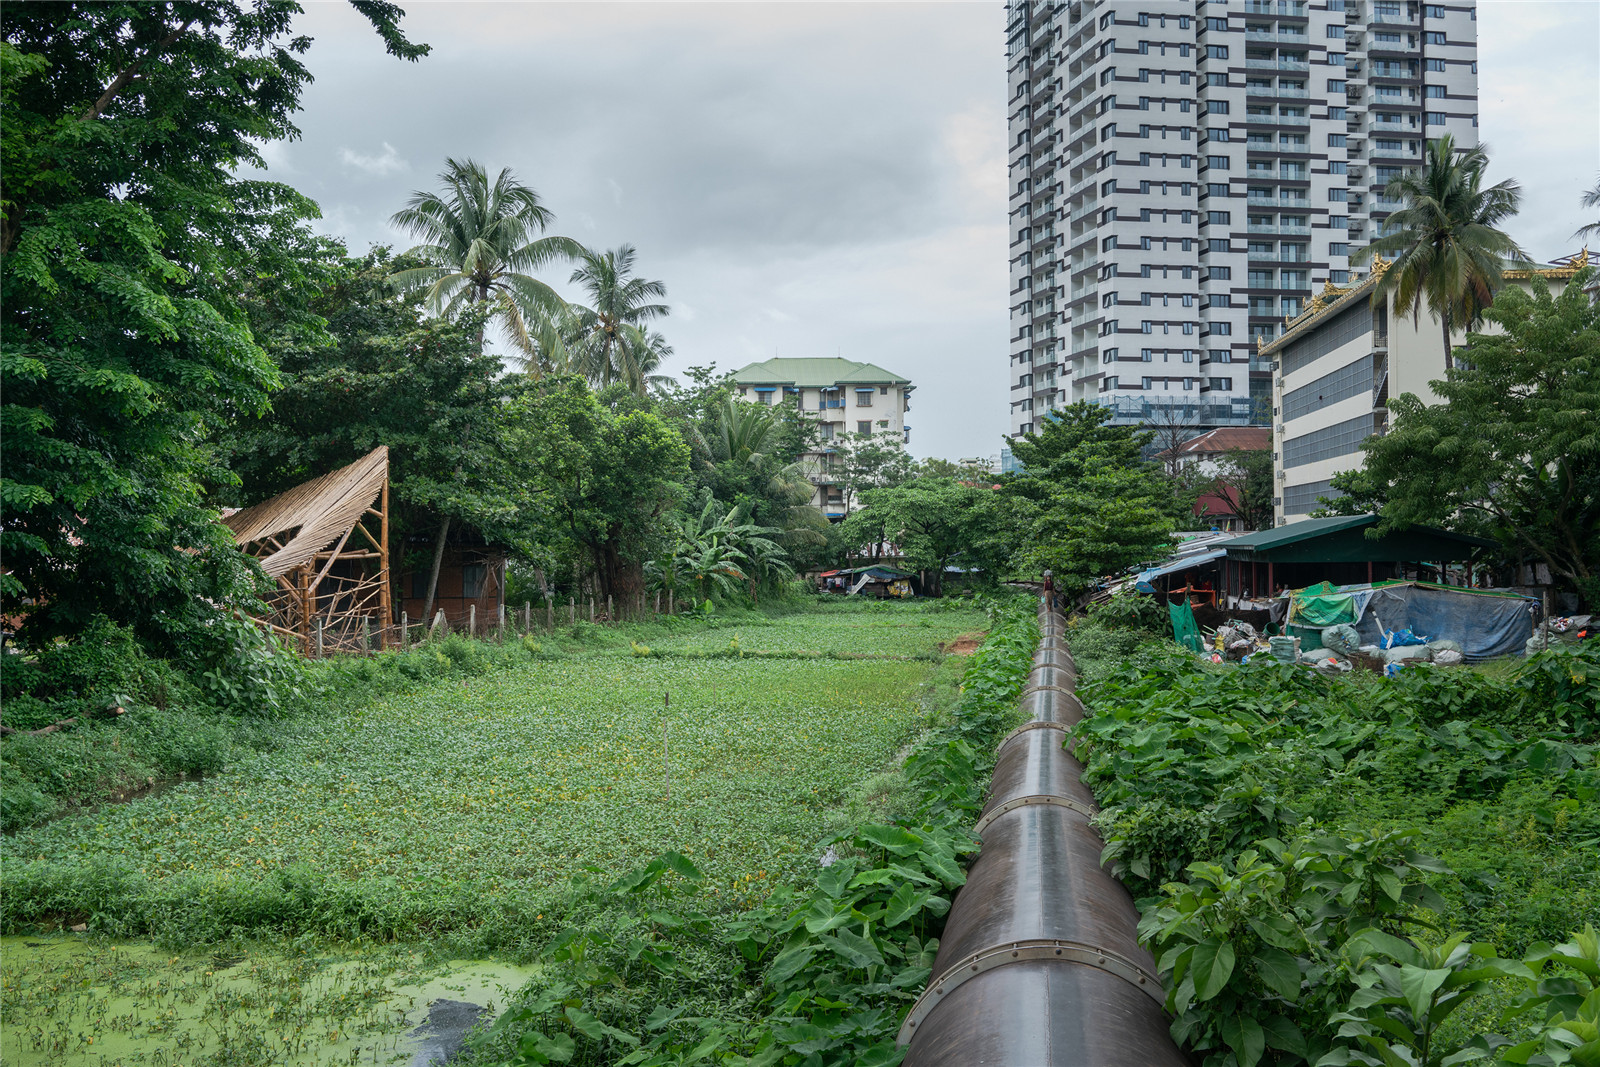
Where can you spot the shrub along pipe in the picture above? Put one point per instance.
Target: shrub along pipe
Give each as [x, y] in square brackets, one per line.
[1040, 965]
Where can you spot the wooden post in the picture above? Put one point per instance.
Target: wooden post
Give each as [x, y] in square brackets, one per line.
[611, 612]
[405, 631]
[591, 607]
[472, 620]
[527, 616]
[439, 623]
[386, 607]
[572, 610]
[658, 602]
[501, 621]
[366, 633]
[549, 612]
[670, 593]
[319, 636]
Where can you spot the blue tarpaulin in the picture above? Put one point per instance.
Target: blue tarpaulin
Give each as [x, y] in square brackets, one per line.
[1143, 582]
[1485, 624]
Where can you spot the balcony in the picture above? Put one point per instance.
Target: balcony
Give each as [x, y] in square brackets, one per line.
[1282, 7]
[1296, 65]
[1395, 153]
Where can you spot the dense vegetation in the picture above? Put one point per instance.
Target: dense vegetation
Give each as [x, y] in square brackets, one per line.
[1300, 843]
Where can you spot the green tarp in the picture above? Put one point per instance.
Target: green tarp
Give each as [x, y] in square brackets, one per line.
[1323, 605]
[1184, 629]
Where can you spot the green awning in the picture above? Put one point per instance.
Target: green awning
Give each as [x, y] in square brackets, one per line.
[1344, 539]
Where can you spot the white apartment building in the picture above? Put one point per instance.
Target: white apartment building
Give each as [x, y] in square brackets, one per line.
[844, 396]
[1337, 365]
[1185, 174]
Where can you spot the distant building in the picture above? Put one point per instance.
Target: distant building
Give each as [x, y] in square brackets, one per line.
[1209, 449]
[844, 396]
[1183, 174]
[1335, 368]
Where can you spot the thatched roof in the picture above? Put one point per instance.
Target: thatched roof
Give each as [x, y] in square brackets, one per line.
[311, 517]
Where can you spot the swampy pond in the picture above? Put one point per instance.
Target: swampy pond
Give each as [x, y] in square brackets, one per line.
[73, 999]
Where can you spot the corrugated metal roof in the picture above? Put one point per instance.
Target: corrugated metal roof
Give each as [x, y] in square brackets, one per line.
[815, 373]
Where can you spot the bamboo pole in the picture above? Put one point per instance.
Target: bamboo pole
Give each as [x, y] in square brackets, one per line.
[472, 620]
[387, 607]
[319, 636]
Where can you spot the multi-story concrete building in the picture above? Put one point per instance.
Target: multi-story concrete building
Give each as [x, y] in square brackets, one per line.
[1185, 174]
[844, 396]
[1337, 365]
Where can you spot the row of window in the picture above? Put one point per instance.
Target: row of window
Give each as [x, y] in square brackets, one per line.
[1223, 385]
[1215, 329]
[1147, 355]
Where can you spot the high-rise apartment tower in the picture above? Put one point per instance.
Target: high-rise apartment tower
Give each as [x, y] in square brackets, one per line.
[1183, 176]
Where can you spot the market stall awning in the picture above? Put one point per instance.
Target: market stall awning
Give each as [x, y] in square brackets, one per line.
[1343, 539]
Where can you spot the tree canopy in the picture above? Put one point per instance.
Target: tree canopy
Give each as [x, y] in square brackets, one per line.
[1514, 450]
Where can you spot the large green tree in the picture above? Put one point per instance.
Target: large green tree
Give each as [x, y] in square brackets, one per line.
[125, 349]
[935, 522]
[397, 377]
[1445, 238]
[1514, 450]
[482, 240]
[607, 479]
[1071, 437]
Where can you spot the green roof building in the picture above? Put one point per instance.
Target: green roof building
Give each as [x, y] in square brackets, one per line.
[844, 396]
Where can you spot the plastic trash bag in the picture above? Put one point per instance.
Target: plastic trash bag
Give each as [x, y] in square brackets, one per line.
[1341, 639]
[1447, 657]
[1402, 638]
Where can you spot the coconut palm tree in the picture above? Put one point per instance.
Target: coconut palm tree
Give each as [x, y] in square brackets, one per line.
[1445, 240]
[482, 242]
[1591, 199]
[610, 340]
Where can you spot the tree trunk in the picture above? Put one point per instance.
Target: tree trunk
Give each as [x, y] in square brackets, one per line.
[433, 574]
[1449, 356]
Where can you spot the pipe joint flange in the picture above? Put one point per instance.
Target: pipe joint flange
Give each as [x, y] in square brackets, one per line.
[1035, 800]
[1040, 687]
[1026, 951]
[1037, 724]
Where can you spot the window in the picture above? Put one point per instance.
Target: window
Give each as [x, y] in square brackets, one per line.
[1183, 106]
[1221, 329]
[1217, 107]
[1145, 354]
[1188, 355]
[1433, 37]
[1217, 244]
[1217, 162]
[1108, 244]
[1335, 59]
[1144, 187]
[1107, 188]
[1144, 103]
[1144, 243]
[1108, 356]
[1338, 113]
[1144, 298]
[883, 390]
[1217, 189]
[1338, 248]
[1219, 218]
[1433, 11]
[1144, 19]
[1216, 51]
[1336, 85]
[1338, 167]
[1338, 277]
[1144, 74]
[472, 576]
[1220, 355]
[1188, 300]
[1336, 140]
[864, 398]
[1435, 65]
[1216, 79]
[1144, 383]
[1222, 384]
[1216, 24]
[1108, 131]
[1144, 48]
[1261, 279]
[1188, 327]
[1434, 118]
[1109, 300]
[1144, 159]
[864, 427]
[1336, 33]
[1338, 195]
[1433, 92]
[1107, 75]
[1217, 135]
[1147, 327]
[1183, 22]
[1221, 300]
[1220, 274]
[1144, 131]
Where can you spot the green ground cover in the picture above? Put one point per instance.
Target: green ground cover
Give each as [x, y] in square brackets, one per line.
[1293, 839]
[473, 797]
[864, 629]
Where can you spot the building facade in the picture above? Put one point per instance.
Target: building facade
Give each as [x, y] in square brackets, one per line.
[1337, 365]
[845, 397]
[1184, 175]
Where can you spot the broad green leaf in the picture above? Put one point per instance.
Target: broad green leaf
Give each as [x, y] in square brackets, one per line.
[1284, 1035]
[900, 842]
[858, 950]
[662, 1015]
[1279, 970]
[822, 920]
[948, 870]
[680, 863]
[833, 879]
[1211, 966]
[883, 1054]
[1418, 985]
[788, 964]
[1245, 1036]
[905, 903]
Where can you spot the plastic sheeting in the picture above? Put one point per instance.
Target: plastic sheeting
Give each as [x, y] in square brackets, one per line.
[1184, 629]
[1484, 624]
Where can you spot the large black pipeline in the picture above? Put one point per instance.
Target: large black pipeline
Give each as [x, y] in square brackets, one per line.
[1040, 965]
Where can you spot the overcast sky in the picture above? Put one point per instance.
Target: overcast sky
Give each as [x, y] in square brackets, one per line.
[808, 179]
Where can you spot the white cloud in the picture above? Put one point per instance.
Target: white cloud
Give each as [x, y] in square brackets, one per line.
[380, 166]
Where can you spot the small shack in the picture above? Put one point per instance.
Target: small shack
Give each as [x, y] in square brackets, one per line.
[1484, 622]
[326, 543]
[472, 579]
[876, 580]
[1339, 549]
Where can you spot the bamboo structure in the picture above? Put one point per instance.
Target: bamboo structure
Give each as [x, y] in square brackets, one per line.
[332, 569]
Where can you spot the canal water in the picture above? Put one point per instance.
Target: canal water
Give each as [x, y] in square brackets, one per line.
[70, 999]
